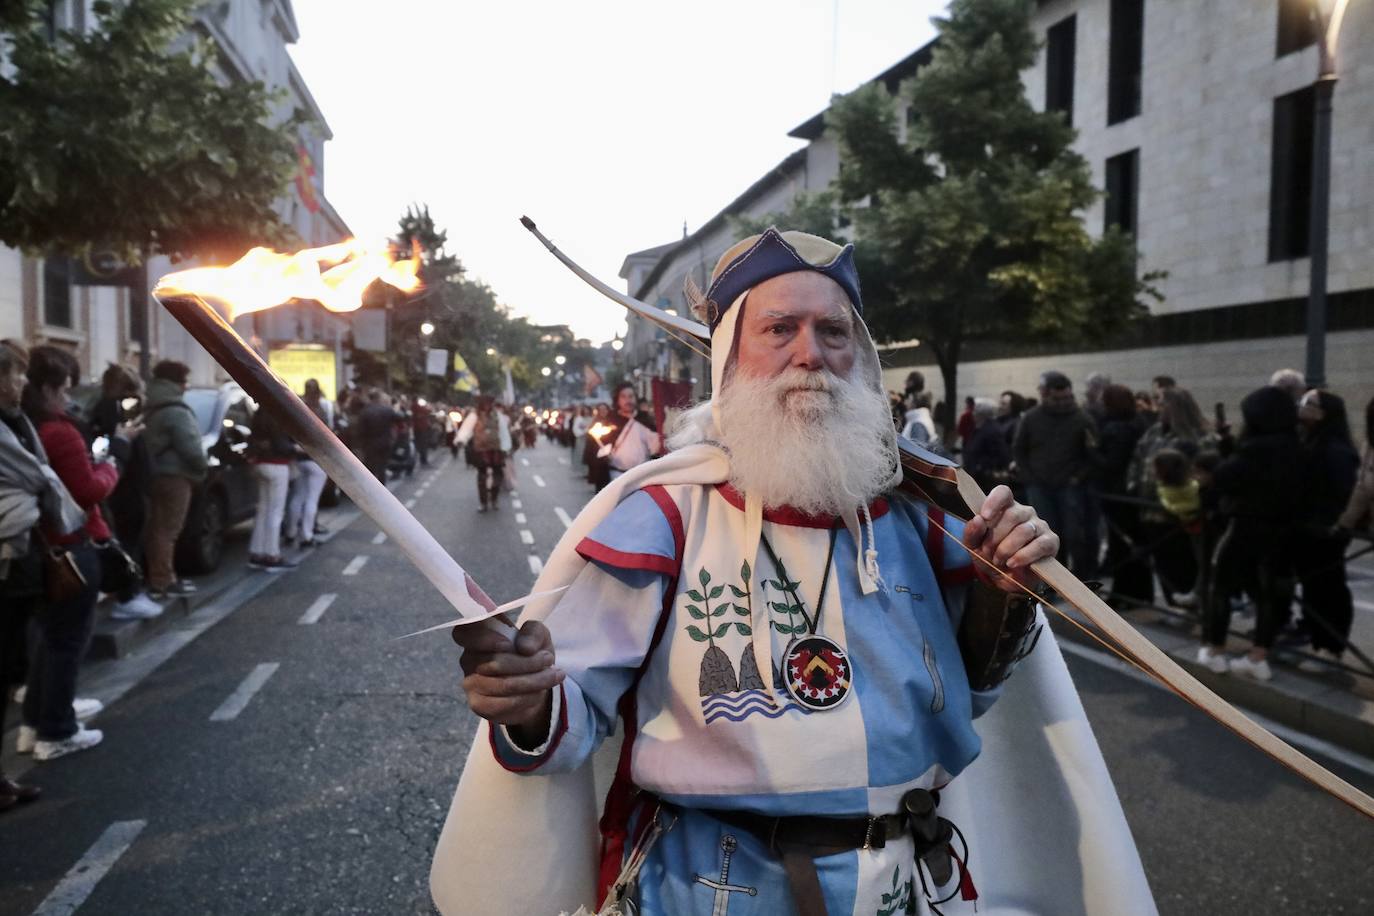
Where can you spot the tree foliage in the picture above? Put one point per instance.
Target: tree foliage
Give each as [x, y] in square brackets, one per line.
[967, 203]
[125, 138]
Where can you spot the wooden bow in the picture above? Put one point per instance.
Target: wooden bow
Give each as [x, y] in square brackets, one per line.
[942, 483]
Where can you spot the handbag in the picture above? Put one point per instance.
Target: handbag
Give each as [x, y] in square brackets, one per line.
[62, 577]
[119, 572]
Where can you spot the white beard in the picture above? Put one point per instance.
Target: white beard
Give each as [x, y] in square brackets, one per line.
[809, 440]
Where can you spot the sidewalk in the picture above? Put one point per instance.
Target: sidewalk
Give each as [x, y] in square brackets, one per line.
[1336, 707]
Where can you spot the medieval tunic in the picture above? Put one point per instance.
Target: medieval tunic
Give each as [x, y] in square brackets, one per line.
[665, 614]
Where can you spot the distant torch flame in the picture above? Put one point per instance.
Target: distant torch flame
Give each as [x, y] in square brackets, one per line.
[334, 275]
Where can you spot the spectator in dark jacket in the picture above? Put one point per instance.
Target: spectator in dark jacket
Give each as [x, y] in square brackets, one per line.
[375, 432]
[50, 727]
[172, 437]
[1330, 465]
[1121, 428]
[1054, 449]
[987, 456]
[1258, 487]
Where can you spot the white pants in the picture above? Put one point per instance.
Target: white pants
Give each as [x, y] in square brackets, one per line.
[304, 501]
[273, 480]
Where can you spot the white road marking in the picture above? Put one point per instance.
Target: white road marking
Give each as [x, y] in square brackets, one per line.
[538, 480]
[316, 610]
[563, 461]
[354, 565]
[1292, 736]
[379, 537]
[516, 504]
[410, 503]
[519, 518]
[514, 494]
[1366, 606]
[230, 708]
[525, 462]
[78, 883]
[563, 516]
[526, 537]
[536, 564]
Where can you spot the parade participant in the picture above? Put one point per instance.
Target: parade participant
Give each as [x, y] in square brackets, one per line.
[797, 654]
[631, 441]
[489, 432]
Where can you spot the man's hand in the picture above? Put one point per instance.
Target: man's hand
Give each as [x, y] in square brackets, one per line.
[510, 683]
[1010, 536]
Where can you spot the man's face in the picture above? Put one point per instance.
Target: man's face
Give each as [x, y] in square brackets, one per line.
[801, 320]
[1057, 398]
[1004, 406]
[11, 387]
[625, 401]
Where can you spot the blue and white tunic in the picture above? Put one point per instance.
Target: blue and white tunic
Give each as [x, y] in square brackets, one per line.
[657, 628]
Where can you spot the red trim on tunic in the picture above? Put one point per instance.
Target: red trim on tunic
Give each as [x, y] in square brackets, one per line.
[560, 730]
[670, 511]
[600, 553]
[786, 515]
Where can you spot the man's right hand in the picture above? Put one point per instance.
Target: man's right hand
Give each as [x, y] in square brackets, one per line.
[510, 681]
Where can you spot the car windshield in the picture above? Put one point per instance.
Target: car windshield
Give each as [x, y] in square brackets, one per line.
[202, 401]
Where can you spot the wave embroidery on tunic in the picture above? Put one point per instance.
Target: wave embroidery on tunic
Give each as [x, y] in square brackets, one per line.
[724, 693]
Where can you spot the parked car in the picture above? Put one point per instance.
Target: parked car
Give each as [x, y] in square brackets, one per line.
[229, 493]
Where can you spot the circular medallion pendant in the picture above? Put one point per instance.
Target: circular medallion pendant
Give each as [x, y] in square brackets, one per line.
[818, 673]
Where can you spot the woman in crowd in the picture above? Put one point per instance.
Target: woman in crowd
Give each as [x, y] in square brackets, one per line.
[303, 501]
[51, 727]
[1258, 488]
[1118, 435]
[1330, 465]
[1180, 426]
[271, 453]
[987, 456]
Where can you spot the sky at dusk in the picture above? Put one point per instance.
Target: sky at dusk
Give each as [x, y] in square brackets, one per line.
[610, 123]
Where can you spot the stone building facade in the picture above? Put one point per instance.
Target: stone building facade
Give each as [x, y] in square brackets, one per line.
[40, 304]
[1196, 119]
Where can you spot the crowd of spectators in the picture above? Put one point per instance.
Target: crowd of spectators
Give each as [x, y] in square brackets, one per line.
[1147, 491]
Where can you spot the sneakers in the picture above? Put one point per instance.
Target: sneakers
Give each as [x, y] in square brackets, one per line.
[182, 587]
[28, 737]
[272, 564]
[1322, 661]
[1246, 667]
[1212, 659]
[17, 694]
[1188, 602]
[86, 707]
[84, 739]
[139, 607]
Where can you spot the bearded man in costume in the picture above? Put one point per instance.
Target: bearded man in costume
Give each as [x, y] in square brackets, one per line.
[797, 656]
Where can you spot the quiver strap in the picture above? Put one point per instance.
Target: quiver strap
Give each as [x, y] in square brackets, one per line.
[996, 632]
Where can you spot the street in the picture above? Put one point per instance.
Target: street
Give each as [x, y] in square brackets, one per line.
[294, 758]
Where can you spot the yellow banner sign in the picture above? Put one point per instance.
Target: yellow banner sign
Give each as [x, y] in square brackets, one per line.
[298, 363]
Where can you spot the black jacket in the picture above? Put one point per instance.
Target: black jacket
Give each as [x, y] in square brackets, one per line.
[1262, 480]
[1329, 469]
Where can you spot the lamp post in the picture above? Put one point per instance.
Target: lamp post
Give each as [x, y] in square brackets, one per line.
[1330, 14]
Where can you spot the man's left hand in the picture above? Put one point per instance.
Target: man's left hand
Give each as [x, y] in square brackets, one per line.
[1011, 537]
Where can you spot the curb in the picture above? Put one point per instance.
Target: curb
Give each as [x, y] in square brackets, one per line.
[1335, 708]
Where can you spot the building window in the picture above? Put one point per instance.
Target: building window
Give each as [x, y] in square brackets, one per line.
[1290, 176]
[1125, 54]
[1059, 60]
[57, 292]
[1123, 191]
[1298, 25]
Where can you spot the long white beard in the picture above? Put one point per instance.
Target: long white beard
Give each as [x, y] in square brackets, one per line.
[809, 440]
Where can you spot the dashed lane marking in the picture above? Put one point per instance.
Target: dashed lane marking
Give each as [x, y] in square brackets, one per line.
[563, 516]
[1367, 606]
[316, 610]
[563, 461]
[525, 462]
[516, 504]
[519, 518]
[243, 693]
[514, 494]
[538, 480]
[354, 565]
[410, 503]
[526, 537]
[379, 537]
[78, 883]
[536, 565]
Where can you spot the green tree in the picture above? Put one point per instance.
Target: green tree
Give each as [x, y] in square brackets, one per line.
[116, 139]
[967, 202]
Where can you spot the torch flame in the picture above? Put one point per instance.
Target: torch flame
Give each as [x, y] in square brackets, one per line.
[334, 275]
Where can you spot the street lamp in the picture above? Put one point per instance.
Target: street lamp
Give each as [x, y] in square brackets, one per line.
[546, 372]
[491, 351]
[617, 344]
[1330, 14]
[560, 359]
[427, 328]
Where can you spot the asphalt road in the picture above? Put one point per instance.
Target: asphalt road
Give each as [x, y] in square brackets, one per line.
[323, 789]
